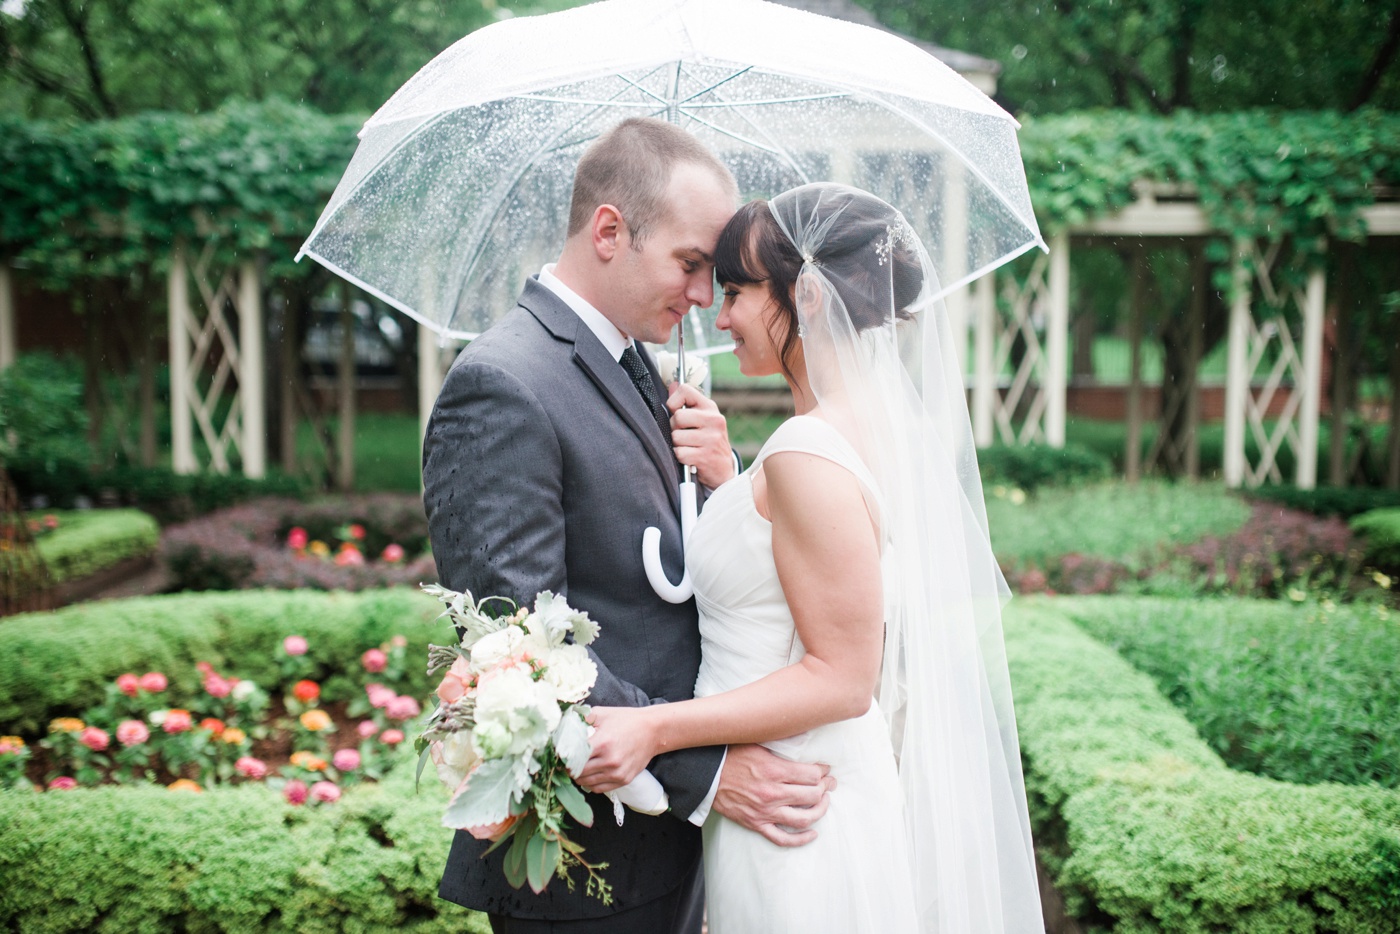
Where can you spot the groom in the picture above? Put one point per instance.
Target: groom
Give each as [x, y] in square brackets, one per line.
[553, 445]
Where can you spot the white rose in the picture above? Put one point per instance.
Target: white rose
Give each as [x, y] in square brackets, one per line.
[509, 698]
[489, 651]
[697, 370]
[571, 673]
[550, 618]
[454, 758]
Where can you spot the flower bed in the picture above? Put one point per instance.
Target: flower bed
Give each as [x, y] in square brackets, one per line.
[241, 855]
[78, 543]
[1144, 828]
[349, 543]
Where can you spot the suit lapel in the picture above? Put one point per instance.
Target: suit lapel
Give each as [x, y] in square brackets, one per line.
[608, 376]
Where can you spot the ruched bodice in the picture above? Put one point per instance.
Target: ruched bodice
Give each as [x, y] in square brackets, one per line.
[855, 877]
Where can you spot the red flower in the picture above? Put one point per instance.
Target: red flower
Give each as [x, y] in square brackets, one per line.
[177, 721]
[297, 538]
[128, 684]
[306, 691]
[391, 737]
[154, 682]
[357, 531]
[349, 555]
[374, 660]
[393, 553]
[212, 724]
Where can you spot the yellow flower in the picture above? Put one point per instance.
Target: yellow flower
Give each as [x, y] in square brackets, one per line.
[319, 548]
[233, 736]
[184, 784]
[1382, 579]
[66, 725]
[315, 720]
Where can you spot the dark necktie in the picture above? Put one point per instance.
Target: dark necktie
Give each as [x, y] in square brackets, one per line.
[632, 362]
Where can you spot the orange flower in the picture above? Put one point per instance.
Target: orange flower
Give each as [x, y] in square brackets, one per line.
[10, 744]
[213, 725]
[493, 831]
[66, 725]
[184, 784]
[233, 736]
[315, 720]
[308, 761]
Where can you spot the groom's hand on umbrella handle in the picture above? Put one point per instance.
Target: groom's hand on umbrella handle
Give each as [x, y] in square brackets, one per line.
[776, 797]
[700, 435]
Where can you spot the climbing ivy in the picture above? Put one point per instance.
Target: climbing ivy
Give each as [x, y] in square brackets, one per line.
[108, 198]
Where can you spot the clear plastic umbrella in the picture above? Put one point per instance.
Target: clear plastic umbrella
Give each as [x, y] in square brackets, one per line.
[460, 186]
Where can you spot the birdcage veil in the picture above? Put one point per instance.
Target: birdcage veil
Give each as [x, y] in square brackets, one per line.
[882, 365]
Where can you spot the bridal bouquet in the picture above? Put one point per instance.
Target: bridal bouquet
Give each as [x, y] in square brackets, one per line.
[509, 736]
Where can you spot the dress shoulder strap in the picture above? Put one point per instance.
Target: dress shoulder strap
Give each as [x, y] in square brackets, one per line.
[812, 435]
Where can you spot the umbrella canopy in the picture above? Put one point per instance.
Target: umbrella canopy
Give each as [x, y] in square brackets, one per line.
[460, 186]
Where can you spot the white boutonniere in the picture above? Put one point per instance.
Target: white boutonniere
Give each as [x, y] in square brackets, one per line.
[696, 369]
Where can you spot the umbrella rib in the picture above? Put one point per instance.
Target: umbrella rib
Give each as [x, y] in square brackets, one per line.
[775, 100]
[772, 147]
[582, 102]
[749, 142]
[720, 83]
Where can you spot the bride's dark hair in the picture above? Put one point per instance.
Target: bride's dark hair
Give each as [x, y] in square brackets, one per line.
[753, 248]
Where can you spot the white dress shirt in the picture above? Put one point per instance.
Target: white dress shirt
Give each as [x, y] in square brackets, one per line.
[615, 342]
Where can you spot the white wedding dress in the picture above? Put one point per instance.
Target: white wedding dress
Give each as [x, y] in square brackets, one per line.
[855, 878]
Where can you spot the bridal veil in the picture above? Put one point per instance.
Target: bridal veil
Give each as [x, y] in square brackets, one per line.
[881, 361]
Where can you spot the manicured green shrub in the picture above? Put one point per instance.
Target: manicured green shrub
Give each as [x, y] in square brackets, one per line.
[43, 426]
[1301, 693]
[88, 540]
[1032, 466]
[1128, 523]
[61, 662]
[1145, 829]
[173, 497]
[229, 861]
[1381, 527]
[1344, 502]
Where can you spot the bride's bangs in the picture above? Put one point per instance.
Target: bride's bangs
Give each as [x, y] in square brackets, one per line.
[734, 262]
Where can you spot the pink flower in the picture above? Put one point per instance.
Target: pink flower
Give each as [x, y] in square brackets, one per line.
[374, 660]
[177, 721]
[203, 668]
[296, 540]
[154, 682]
[63, 783]
[357, 531]
[399, 641]
[379, 695]
[295, 792]
[393, 553]
[217, 686]
[50, 521]
[94, 739]
[325, 791]
[346, 760]
[349, 556]
[402, 708]
[294, 645]
[132, 733]
[457, 681]
[391, 737]
[253, 768]
[367, 728]
[128, 684]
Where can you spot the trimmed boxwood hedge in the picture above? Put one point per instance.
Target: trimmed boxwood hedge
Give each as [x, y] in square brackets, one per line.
[89, 540]
[1144, 828]
[231, 860]
[1381, 527]
[61, 662]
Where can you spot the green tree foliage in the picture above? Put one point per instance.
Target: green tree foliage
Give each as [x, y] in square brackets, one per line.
[107, 58]
[1164, 55]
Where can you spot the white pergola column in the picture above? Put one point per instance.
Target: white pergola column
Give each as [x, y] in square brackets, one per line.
[1057, 342]
[251, 376]
[1237, 376]
[181, 419]
[984, 384]
[9, 346]
[1311, 388]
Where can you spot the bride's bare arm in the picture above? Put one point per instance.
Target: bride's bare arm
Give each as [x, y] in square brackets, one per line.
[828, 561]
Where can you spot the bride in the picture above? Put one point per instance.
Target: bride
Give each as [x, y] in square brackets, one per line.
[849, 601]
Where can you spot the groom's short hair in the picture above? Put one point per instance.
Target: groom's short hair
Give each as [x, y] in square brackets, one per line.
[630, 166]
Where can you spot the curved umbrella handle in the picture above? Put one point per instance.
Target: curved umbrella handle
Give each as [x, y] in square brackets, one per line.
[651, 552]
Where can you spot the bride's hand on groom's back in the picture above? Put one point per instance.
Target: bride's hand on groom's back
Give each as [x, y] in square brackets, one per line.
[700, 435]
[775, 797]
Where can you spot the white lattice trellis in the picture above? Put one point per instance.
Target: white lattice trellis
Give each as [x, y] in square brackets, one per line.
[1034, 313]
[216, 377]
[1270, 349]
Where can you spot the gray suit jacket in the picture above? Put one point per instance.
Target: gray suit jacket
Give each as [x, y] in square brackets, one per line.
[541, 469]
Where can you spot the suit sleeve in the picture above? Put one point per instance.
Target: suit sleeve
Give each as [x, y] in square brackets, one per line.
[493, 492]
